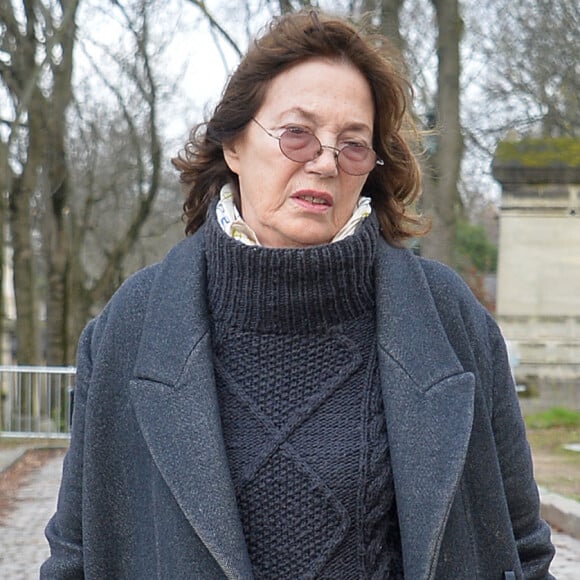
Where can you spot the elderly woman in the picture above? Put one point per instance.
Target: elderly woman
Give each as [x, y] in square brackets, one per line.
[291, 393]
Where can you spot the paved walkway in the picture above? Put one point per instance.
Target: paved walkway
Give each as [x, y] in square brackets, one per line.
[23, 546]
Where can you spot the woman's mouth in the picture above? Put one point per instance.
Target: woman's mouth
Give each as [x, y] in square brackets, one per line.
[313, 199]
[318, 201]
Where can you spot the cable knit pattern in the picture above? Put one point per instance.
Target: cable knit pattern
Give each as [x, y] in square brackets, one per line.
[302, 414]
[381, 528]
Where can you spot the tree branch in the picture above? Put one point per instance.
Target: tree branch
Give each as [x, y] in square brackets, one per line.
[215, 25]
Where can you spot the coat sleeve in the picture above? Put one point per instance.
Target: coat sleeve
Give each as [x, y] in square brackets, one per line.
[532, 534]
[64, 530]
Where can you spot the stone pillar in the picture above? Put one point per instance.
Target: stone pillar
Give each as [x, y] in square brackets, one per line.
[538, 292]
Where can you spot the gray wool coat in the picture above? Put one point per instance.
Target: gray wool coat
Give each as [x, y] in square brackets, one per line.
[146, 489]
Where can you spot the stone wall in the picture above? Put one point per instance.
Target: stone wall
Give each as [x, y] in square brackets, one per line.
[538, 289]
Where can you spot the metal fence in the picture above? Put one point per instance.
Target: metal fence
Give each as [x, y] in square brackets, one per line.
[36, 401]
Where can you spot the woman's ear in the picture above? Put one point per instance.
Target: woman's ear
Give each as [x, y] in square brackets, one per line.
[231, 156]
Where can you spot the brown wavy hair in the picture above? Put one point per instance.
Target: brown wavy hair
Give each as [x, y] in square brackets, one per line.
[289, 40]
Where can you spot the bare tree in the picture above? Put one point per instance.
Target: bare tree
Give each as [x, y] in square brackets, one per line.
[118, 176]
[532, 75]
[440, 199]
[36, 41]
[57, 238]
[73, 233]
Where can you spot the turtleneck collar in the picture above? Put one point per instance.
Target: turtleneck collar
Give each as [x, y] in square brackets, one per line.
[290, 290]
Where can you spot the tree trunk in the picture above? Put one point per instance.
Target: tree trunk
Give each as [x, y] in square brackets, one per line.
[56, 240]
[390, 22]
[440, 199]
[23, 268]
[3, 214]
[57, 296]
[22, 188]
[78, 297]
[59, 249]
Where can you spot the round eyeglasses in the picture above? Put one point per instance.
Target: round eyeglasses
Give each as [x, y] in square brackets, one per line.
[300, 145]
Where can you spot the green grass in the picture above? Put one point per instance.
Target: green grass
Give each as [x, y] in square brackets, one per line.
[554, 417]
[556, 468]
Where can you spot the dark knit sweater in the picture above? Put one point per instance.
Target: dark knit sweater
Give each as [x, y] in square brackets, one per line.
[301, 406]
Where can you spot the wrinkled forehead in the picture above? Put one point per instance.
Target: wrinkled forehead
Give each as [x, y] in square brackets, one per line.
[317, 87]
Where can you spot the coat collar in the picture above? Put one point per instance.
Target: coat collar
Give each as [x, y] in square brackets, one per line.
[428, 405]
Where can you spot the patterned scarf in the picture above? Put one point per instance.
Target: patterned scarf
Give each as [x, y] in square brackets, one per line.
[233, 225]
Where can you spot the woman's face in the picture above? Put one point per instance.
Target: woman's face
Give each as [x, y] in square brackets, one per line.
[290, 204]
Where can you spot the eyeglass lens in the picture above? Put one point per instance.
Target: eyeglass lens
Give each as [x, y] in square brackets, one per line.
[303, 147]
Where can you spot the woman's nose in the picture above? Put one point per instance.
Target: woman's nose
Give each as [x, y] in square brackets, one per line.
[326, 163]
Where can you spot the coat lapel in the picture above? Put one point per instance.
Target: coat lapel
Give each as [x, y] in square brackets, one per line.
[428, 406]
[174, 397]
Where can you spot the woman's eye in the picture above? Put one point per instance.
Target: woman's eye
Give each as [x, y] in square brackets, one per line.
[354, 144]
[297, 130]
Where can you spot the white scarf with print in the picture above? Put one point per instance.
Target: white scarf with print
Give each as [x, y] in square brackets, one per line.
[233, 225]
